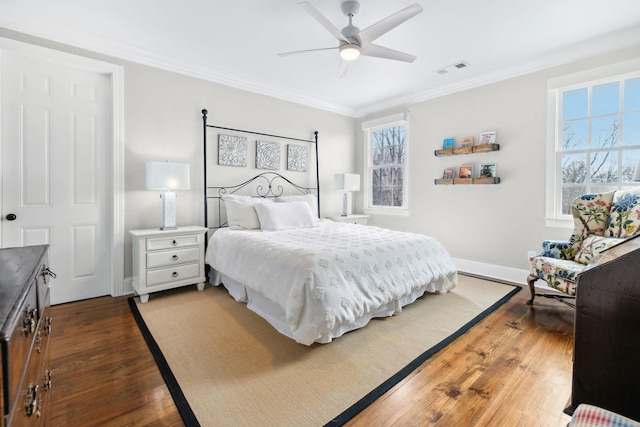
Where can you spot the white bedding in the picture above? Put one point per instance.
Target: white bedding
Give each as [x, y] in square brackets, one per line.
[324, 281]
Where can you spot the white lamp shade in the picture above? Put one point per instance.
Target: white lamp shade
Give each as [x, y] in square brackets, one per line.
[347, 182]
[167, 176]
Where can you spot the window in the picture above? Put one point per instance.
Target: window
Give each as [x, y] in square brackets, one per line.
[386, 163]
[596, 138]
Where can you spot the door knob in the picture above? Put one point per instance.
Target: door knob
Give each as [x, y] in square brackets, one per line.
[11, 217]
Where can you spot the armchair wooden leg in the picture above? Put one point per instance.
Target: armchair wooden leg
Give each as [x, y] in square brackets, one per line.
[531, 280]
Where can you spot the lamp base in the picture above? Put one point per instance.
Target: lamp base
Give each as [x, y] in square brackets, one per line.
[346, 204]
[168, 210]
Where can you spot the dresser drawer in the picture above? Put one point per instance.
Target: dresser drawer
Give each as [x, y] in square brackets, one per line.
[173, 274]
[19, 345]
[177, 256]
[173, 242]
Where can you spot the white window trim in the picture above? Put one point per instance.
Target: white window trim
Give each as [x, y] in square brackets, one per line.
[587, 77]
[368, 127]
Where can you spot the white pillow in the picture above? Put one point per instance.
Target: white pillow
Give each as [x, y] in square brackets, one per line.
[283, 216]
[241, 213]
[311, 199]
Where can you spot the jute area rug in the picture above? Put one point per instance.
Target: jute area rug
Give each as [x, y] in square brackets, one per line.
[225, 365]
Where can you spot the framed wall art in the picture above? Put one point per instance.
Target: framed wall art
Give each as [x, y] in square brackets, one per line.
[232, 150]
[297, 158]
[267, 155]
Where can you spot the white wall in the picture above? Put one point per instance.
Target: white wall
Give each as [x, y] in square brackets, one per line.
[494, 224]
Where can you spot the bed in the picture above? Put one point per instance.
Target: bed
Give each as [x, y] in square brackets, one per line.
[313, 279]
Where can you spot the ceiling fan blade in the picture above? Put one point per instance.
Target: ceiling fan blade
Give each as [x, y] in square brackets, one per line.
[386, 53]
[343, 67]
[323, 21]
[389, 23]
[295, 52]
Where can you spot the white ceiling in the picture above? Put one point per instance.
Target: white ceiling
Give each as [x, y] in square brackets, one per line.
[235, 42]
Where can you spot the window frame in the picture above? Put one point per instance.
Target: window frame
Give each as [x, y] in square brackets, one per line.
[368, 127]
[555, 88]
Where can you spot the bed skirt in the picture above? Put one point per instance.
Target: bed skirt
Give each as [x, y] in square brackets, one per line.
[275, 315]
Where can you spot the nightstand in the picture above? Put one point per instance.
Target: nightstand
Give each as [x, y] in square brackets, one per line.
[353, 219]
[166, 259]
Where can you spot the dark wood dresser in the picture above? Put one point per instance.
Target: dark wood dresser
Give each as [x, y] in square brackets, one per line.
[606, 357]
[25, 327]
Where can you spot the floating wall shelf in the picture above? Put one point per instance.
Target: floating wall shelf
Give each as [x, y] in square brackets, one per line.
[467, 181]
[485, 148]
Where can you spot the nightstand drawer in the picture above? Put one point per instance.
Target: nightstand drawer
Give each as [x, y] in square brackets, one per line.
[173, 274]
[178, 256]
[173, 242]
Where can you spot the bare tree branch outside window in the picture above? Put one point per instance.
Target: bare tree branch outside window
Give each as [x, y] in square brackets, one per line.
[388, 158]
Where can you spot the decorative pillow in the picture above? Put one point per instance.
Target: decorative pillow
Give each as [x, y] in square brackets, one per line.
[241, 212]
[624, 220]
[590, 215]
[283, 216]
[593, 246]
[311, 199]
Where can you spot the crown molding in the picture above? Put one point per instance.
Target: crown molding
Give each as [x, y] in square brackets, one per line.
[615, 41]
[132, 53]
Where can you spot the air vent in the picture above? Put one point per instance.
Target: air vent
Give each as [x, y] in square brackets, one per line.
[457, 66]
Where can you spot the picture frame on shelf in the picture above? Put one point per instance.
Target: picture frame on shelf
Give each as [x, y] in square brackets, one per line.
[449, 173]
[448, 143]
[467, 141]
[487, 138]
[465, 171]
[487, 170]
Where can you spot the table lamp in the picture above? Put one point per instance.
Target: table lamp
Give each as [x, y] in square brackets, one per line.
[168, 177]
[347, 182]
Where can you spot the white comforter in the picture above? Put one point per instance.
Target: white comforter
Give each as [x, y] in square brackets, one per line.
[329, 276]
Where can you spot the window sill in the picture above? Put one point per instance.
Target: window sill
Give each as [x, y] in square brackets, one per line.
[387, 211]
[559, 223]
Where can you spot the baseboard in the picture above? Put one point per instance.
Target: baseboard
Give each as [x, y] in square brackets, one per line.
[127, 286]
[509, 274]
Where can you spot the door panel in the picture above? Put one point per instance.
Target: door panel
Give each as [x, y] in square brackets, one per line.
[56, 128]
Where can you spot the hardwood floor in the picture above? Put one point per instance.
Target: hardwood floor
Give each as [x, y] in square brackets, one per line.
[511, 369]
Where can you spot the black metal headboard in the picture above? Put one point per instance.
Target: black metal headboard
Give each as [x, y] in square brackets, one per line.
[265, 184]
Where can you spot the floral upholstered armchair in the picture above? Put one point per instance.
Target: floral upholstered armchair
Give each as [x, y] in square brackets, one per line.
[600, 221]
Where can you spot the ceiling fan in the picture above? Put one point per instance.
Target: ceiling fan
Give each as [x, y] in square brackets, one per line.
[354, 42]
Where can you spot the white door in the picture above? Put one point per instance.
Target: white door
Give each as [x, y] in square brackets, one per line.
[55, 169]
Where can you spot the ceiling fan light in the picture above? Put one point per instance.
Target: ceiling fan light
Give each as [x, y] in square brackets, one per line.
[349, 52]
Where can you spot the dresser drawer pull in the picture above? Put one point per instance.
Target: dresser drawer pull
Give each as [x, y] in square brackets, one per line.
[47, 325]
[47, 272]
[31, 400]
[174, 274]
[29, 320]
[38, 342]
[47, 380]
[175, 243]
[175, 257]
